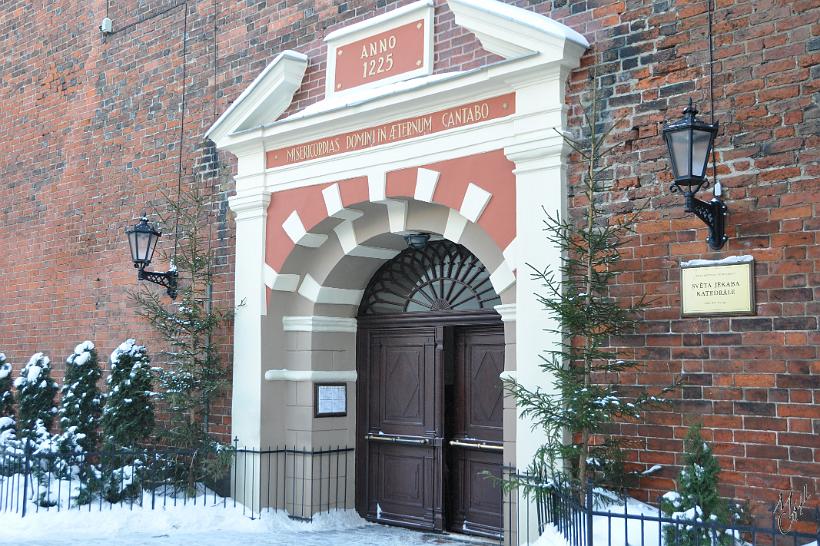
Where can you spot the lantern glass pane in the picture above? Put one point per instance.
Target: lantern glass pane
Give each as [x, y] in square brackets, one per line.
[700, 151]
[132, 243]
[152, 245]
[679, 148]
[143, 242]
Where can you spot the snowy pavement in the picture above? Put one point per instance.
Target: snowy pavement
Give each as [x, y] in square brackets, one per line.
[207, 526]
[376, 535]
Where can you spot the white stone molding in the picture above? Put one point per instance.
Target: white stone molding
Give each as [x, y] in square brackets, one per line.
[507, 311]
[456, 224]
[333, 204]
[319, 324]
[295, 229]
[346, 234]
[396, 215]
[513, 32]
[426, 181]
[313, 376]
[264, 99]
[475, 201]
[511, 254]
[508, 375]
[313, 291]
[377, 186]
[502, 278]
[286, 282]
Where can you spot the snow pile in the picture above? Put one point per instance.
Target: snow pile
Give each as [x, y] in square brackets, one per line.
[551, 537]
[619, 531]
[207, 516]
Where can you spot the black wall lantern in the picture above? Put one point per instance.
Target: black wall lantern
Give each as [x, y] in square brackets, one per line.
[417, 241]
[690, 142]
[143, 239]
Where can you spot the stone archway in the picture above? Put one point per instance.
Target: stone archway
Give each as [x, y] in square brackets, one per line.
[326, 191]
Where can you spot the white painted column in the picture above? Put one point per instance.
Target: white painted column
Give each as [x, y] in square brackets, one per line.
[540, 182]
[246, 407]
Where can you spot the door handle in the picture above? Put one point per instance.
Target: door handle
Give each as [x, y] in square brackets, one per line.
[406, 440]
[477, 445]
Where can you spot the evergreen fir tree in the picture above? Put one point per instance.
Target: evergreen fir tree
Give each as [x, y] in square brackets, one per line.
[697, 497]
[577, 418]
[35, 397]
[81, 403]
[193, 374]
[128, 415]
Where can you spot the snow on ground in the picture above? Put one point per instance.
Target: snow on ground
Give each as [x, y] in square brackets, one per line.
[209, 525]
[617, 529]
[551, 537]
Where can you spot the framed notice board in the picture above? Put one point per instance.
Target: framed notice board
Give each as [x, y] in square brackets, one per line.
[329, 399]
[718, 288]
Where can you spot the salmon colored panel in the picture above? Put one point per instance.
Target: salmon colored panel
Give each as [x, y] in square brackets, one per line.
[310, 205]
[354, 191]
[491, 171]
[383, 55]
[395, 131]
[401, 183]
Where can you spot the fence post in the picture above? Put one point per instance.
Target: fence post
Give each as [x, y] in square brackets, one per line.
[589, 508]
[26, 470]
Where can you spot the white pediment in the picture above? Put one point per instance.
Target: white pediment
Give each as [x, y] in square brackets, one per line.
[265, 98]
[524, 38]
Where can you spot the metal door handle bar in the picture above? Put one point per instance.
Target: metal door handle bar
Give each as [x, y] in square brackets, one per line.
[397, 439]
[476, 445]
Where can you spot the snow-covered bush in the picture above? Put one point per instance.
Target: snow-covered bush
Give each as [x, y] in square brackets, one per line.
[697, 498]
[81, 403]
[128, 415]
[35, 397]
[7, 424]
[6, 396]
[127, 420]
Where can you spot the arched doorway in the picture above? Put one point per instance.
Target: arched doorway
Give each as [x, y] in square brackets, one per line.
[430, 400]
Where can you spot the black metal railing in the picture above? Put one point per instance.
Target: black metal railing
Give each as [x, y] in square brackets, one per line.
[589, 524]
[300, 481]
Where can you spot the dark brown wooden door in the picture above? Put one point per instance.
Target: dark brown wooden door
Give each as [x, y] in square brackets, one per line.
[403, 431]
[475, 432]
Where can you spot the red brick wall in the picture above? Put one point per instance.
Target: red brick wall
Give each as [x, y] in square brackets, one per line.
[89, 138]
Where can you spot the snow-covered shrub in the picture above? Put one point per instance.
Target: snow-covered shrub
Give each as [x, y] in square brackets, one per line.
[81, 403]
[128, 415]
[127, 421]
[697, 499]
[35, 397]
[7, 424]
[6, 396]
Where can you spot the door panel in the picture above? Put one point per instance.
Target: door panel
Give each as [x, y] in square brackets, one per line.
[402, 435]
[475, 445]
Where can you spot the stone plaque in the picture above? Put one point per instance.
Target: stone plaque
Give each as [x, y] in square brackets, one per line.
[723, 287]
[394, 46]
[330, 399]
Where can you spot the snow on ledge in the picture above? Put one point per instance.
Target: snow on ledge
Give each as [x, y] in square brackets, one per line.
[729, 260]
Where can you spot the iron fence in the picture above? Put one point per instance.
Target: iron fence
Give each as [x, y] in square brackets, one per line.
[300, 481]
[589, 524]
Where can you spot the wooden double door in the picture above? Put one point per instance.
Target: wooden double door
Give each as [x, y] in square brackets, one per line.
[430, 427]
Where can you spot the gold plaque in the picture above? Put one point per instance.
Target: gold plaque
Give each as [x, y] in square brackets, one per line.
[724, 287]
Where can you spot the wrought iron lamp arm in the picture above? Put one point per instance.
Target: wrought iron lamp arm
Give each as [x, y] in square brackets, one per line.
[713, 214]
[168, 280]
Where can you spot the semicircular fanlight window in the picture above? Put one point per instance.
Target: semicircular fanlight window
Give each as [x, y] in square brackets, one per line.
[444, 276]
